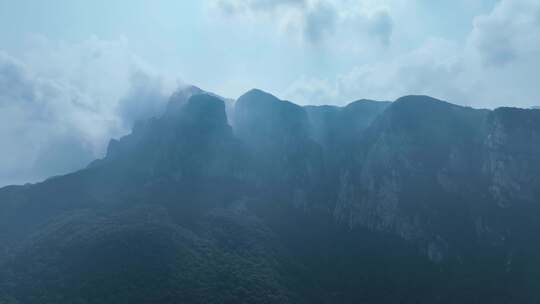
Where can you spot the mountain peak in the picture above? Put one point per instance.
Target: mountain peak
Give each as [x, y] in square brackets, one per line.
[420, 100]
[257, 96]
[424, 108]
[363, 101]
[366, 105]
[180, 97]
[265, 102]
[205, 108]
[262, 116]
[258, 92]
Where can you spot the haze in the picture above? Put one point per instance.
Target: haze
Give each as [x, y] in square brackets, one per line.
[77, 73]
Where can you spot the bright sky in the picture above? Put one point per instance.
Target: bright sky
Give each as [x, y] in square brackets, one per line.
[230, 46]
[74, 73]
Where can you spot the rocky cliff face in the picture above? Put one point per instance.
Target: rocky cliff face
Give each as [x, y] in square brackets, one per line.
[443, 174]
[283, 156]
[270, 202]
[407, 172]
[512, 145]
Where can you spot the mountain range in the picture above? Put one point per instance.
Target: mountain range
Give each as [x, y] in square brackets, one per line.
[260, 200]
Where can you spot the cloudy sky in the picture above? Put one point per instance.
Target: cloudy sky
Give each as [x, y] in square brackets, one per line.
[75, 73]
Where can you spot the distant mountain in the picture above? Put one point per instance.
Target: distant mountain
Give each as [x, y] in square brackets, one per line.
[265, 201]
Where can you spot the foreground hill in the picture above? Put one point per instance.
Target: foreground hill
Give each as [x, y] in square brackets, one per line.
[414, 201]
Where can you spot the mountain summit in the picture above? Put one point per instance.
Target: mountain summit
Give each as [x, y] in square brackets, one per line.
[265, 201]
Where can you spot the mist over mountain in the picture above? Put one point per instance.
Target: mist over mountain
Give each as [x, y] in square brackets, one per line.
[260, 200]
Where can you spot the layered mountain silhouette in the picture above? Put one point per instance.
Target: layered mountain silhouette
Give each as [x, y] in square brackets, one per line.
[265, 201]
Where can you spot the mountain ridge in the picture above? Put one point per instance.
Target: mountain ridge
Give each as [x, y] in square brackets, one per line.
[267, 201]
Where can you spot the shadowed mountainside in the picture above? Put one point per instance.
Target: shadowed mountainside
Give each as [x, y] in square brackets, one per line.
[412, 201]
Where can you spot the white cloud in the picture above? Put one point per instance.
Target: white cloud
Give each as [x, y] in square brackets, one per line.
[316, 22]
[497, 65]
[61, 103]
[250, 6]
[314, 91]
[320, 19]
[510, 32]
[424, 70]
